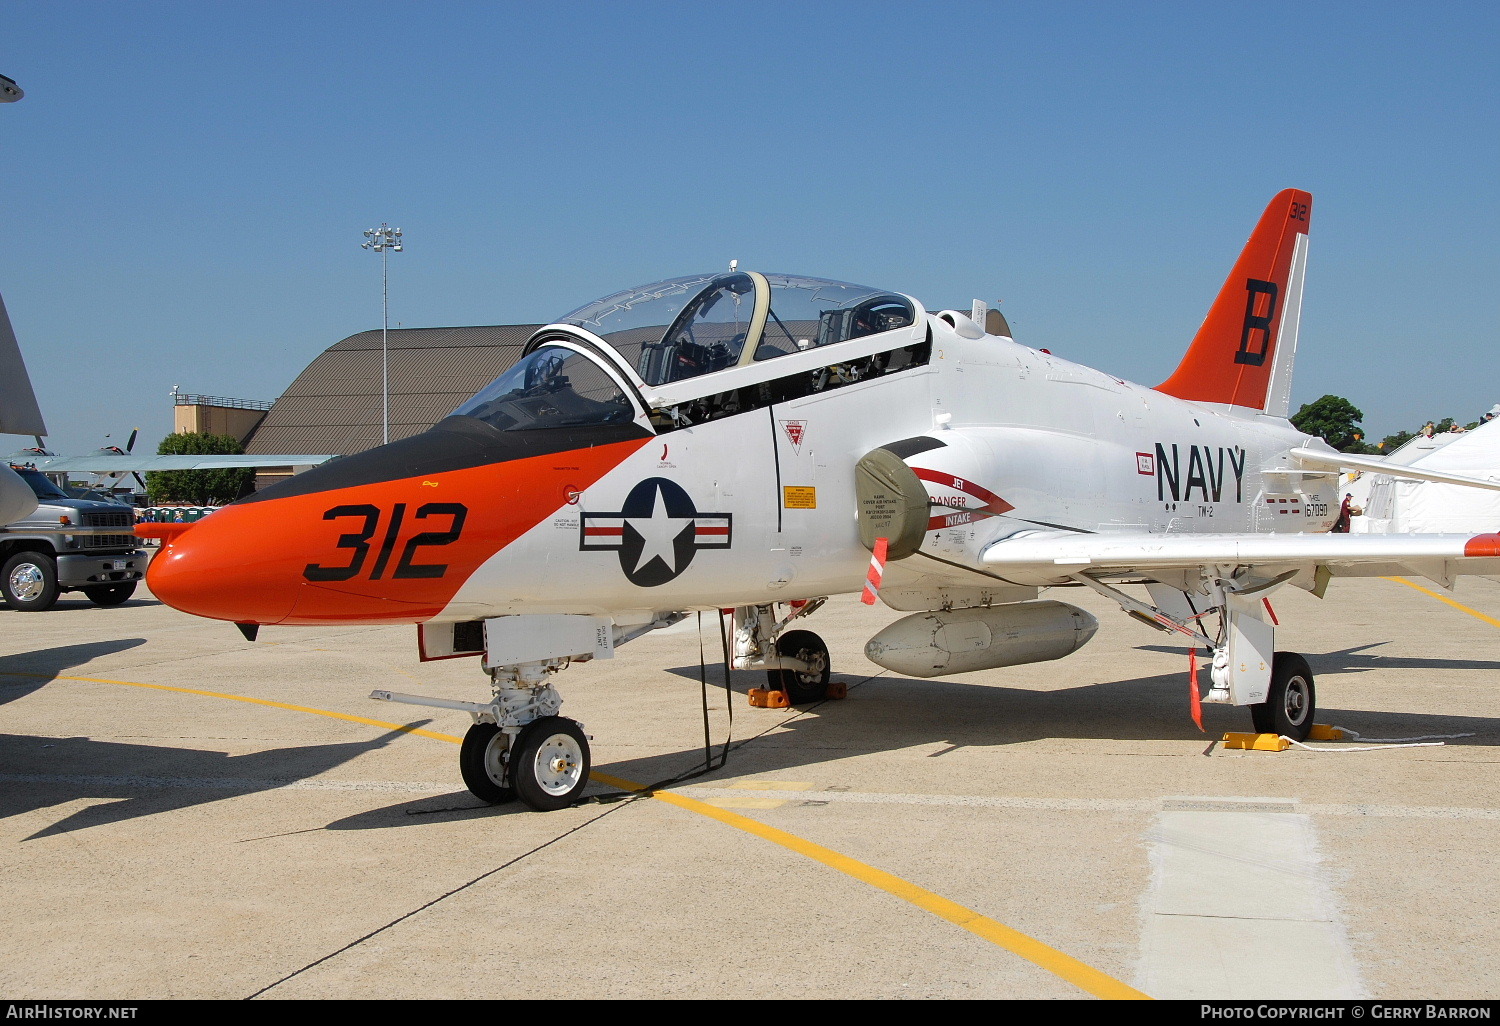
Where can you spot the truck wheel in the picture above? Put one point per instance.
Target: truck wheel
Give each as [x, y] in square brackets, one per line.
[109, 594]
[29, 582]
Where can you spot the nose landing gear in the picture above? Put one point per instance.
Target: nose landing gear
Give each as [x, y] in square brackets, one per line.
[519, 747]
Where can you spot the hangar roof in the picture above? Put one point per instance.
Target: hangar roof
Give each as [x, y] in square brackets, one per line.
[335, 404]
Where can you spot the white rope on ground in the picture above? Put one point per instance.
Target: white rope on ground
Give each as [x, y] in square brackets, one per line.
[1355, 735]
[1382, 743]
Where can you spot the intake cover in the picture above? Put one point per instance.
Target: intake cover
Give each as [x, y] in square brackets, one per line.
[893, 502]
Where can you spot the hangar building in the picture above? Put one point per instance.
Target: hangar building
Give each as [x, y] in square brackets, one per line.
[334, 406]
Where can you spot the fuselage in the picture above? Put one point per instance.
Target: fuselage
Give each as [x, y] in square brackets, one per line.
[734, 486]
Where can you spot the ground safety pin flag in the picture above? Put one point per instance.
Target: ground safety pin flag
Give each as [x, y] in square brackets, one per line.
[1195, 702]
[877, 570]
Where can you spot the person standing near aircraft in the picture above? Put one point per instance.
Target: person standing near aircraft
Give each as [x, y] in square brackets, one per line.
[1346, 511]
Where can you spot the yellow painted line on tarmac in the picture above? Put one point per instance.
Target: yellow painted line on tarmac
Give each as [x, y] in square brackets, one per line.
[1063, 966]
[1445, 599]
[1055, 962]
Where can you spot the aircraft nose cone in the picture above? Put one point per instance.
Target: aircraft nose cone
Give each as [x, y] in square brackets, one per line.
[219, 568]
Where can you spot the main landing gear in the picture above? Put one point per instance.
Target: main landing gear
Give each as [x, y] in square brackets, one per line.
[1246, 670]
[796, 662]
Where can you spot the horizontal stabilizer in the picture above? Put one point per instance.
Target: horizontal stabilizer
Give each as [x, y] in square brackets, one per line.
[1320, 460]
[138, 464]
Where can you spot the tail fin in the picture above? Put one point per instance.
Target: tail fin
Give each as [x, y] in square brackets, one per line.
[19, 413]
[1243, 354]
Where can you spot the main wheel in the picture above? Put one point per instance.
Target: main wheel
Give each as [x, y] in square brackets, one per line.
[109, 594]
[29, 582]
[481, 760]
[1292, 701]
[802, 687]
[549, 766]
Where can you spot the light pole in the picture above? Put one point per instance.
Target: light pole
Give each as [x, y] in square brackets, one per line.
[382, 240]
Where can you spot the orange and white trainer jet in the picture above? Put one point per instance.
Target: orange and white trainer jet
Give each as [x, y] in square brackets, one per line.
[758, 441]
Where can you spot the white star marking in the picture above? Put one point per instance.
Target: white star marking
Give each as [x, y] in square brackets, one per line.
[658, 532]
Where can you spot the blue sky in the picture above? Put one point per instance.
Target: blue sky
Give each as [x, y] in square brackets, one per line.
[186, 185]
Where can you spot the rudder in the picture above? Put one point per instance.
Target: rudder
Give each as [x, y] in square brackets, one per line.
[1242, 355]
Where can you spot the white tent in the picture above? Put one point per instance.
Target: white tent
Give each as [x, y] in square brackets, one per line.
[1393, 506]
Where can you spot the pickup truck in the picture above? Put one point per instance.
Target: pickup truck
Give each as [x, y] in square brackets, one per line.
[68, 544]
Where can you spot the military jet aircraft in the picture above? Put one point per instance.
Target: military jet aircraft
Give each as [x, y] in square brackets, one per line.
[763, 441]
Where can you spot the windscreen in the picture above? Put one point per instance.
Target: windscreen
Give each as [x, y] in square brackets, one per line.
[41, 485]
[550, 387]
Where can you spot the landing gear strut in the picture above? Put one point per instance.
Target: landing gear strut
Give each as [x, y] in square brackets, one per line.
[1276, 686]
[519, 745]
[796, 662]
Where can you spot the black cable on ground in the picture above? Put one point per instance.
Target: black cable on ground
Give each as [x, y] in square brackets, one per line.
[405, 916]
[709, 765]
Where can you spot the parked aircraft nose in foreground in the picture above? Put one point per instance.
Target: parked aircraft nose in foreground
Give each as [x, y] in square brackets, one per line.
[761, 441]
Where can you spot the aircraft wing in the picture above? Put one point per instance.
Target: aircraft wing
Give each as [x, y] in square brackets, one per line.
[1037, 557]
[1344, 461]
[138, 464]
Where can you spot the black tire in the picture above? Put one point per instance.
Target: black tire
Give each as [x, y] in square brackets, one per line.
[29, 582]
[109, 594]
[481, 760]
[1291, 703]
[549, 766]
[802, 688]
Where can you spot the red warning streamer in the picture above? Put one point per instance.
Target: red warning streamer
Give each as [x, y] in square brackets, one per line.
[1195, 702]
[877, 571]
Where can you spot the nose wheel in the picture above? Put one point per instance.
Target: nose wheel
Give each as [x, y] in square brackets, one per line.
[549, 766]
[481, 761]
[546, 765]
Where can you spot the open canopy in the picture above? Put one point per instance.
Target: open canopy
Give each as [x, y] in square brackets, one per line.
[682, 327]
[595, 365]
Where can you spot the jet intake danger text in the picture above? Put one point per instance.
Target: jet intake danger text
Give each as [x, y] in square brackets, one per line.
[360, 541]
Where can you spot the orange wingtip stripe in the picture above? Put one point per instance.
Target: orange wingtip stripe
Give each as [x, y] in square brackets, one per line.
[166, 532]
[1483, 545]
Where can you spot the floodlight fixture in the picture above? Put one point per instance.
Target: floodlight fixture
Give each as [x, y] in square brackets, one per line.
[381, 240]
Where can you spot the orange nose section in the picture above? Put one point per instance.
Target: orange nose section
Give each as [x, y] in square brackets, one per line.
[364, 551]
[317, 560]
[221, 567]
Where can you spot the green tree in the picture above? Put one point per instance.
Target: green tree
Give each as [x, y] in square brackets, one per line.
[198, 486]
[1390, 443]
[1336, 421]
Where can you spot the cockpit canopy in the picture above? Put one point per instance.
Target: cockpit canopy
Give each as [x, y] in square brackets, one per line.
[682, 327]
